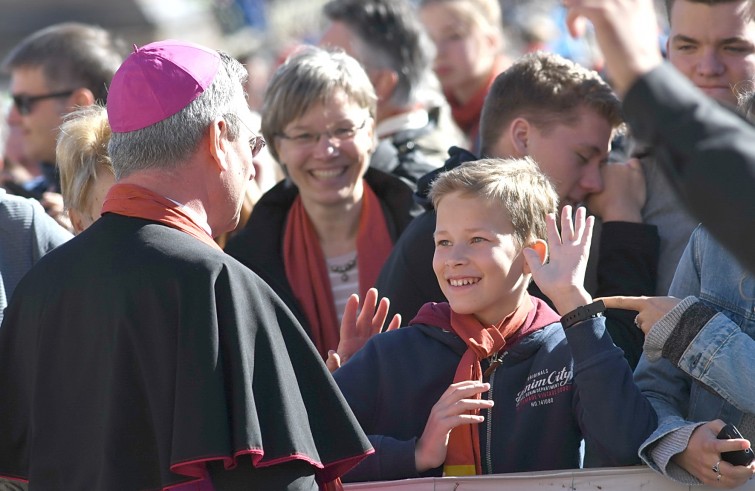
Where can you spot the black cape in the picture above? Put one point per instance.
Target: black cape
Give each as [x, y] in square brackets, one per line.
[134, 354]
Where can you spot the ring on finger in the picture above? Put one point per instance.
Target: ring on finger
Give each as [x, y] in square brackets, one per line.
[717, 469]
[637, 323]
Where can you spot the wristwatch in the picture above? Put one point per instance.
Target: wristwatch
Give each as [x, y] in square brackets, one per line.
[583, 313]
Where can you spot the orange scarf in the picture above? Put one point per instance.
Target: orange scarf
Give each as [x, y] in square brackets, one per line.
[463, 457]
[135, 201]
[307, 272]
[467, 115]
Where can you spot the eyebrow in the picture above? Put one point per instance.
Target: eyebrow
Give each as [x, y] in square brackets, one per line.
[686, 39]
[592, 150]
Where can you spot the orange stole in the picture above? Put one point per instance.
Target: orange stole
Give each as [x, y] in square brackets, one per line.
[463, 456]
[135, 201]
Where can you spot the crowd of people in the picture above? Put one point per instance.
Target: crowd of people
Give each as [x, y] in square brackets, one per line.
[423, 256]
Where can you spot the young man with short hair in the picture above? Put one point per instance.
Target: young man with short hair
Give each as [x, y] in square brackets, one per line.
[712, 43]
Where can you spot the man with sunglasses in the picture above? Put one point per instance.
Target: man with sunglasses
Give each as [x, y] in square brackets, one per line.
[53, 71]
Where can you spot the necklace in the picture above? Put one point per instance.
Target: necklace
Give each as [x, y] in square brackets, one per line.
[344, 269]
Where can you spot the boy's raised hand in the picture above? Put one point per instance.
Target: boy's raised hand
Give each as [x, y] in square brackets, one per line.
[562, 278]
[358, 326]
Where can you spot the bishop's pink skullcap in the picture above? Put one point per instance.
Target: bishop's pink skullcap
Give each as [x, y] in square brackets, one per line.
[157, 81]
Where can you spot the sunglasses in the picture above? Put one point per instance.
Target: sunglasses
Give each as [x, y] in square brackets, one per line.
[25, 103]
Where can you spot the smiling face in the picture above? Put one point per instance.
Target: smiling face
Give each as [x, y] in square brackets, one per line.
[713, 46]
[328, 168]
[477, 261]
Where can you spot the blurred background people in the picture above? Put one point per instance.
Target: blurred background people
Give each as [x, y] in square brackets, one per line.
[414, 123]
[51, 72]
[468, 37]
[26, 234]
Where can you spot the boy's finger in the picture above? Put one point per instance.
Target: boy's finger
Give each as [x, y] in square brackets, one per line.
[381, 313]
[567, 227]
[350, 311]
[625, 303]
[395, 323]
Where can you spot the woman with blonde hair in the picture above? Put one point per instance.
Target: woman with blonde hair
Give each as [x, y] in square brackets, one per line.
[86, 173]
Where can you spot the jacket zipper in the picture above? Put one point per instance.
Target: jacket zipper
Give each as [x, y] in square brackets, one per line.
[495, 362]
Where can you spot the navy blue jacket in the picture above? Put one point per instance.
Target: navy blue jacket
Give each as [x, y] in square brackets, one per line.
[552, 390]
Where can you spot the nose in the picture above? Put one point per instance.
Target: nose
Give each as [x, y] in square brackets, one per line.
[709, 64]
[592, 180]
[326, 146]
[456, 256]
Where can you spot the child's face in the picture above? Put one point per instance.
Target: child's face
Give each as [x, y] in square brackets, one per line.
[477, 261]
[465, 54]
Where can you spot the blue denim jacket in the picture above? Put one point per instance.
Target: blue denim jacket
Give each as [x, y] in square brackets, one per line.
[715, 379]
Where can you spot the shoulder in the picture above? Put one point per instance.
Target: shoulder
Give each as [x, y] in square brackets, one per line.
[27, 229]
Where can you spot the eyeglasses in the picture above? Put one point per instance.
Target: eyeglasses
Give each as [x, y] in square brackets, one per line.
[339, 134]
[25, 103]
[256, 143]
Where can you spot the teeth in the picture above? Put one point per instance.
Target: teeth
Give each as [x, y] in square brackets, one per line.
[324, 174]
[462, 282]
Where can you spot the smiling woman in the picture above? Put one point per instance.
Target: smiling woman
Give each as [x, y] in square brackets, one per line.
[324, 233]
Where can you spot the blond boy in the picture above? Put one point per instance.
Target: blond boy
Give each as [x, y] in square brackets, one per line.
[491, 381]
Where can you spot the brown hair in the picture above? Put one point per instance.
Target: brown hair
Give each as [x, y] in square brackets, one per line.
[670, 3]
[547, 90]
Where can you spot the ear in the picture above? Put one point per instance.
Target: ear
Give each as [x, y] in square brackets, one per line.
[385, 82]
[218, 142]
[495, 40]
[519, 134]
[541, 247]
[82, 97]
[76, 221]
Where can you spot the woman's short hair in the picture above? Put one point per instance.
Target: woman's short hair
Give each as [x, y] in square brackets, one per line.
[309, 77]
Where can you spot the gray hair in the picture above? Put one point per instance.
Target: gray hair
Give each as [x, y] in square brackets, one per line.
[168, 143]
[312, 76]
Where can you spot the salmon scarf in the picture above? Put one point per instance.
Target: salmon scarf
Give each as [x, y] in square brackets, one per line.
[307, 272]
[463, 457]
[467, 115]
[135, 201]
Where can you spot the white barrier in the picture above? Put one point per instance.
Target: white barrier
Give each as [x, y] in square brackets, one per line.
[640, 478]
